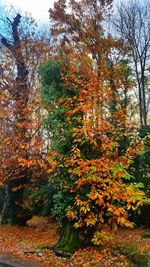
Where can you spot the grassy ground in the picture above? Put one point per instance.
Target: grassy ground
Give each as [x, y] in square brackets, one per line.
[127, 248]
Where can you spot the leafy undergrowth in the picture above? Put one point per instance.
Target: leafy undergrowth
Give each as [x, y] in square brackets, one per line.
[42, 232]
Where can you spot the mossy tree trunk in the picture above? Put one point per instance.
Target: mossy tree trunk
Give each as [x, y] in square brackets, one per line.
[69, 241]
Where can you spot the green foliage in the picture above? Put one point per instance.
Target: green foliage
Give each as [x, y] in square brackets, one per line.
[135, 256]
[146, 235]
[38, 199]
[142, 165]
[52, 86]
[59, 132]
[47, 200]
[61, 201]
[141, 171]
[58, 129]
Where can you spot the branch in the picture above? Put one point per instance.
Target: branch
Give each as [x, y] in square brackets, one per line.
[16, 20]
[57, 252]
[5, 42]
[14, 26]
[30, 138]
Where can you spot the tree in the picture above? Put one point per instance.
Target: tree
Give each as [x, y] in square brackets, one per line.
[89, 166]
[80, 22]
[133, 24]
[96, 159]
[21, 145]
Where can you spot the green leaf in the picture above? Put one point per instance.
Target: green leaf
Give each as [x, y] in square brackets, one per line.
[93, 169]
[76, 171]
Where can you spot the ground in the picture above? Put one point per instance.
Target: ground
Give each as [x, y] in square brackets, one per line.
[125, 249]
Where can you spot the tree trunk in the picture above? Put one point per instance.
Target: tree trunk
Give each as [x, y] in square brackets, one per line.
[69, 241]
[13, 211]
[7, 212]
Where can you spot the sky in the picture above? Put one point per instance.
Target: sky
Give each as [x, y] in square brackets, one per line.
[38, 8]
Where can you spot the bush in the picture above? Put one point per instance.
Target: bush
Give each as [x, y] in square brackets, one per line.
[39, 199]
[146, 235]
[135, 256]
[140, 169]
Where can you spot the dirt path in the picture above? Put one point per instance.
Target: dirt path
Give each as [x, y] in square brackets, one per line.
[8, 260]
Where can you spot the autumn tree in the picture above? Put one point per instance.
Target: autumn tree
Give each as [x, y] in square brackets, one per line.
[21, 146]
[80, 22]
[88, 164]
[88, 110]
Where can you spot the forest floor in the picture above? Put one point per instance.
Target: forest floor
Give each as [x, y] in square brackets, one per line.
[127, 248]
